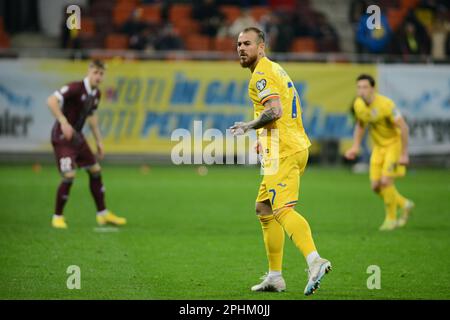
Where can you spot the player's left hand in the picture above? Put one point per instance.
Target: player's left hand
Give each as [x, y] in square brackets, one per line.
[404, 159]
[239, 128]
[100, 151]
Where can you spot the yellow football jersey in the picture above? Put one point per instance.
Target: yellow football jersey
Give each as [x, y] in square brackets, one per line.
[270, 80]
[379, 115]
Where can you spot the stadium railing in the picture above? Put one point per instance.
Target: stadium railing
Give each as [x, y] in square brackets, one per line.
[213, 55]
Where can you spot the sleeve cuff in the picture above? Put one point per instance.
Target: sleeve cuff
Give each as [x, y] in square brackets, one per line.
[270, 96]
[59, 96]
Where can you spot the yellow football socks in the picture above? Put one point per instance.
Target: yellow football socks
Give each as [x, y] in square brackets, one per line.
[401, 200]
[390, 202]
[297, 229]
[273, 234]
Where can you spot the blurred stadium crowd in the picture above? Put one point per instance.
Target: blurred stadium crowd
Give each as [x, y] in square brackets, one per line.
[409, 27]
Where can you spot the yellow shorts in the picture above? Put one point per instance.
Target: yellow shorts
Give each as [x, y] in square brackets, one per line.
[282, 187]
[384, 162]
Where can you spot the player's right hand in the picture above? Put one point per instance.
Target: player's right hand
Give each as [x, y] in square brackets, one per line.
[67, 130]
[351, 153]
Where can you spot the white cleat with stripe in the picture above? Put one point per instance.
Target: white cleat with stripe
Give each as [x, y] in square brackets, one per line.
[318, 269]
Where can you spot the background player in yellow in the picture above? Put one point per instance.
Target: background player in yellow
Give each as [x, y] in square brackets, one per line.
[283, 143]
[389, 133]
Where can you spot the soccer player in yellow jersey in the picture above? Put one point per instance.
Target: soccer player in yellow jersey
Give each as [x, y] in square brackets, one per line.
[284, 146]
[389, 133]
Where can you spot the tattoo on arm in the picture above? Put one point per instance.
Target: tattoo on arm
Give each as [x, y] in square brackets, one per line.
[272, 113]
[266, 117]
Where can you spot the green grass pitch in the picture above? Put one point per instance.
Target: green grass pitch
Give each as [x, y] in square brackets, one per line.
[197, 237]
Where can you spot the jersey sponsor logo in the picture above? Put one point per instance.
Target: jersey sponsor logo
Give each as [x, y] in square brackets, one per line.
[282, 185]
[83, 97]
[259, 72]
[261, 84]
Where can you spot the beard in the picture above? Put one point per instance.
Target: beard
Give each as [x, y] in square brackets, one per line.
[247, 61]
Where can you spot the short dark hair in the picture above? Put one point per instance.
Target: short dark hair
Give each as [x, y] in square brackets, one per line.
[96, 63]
[367, 77]
[259, 33]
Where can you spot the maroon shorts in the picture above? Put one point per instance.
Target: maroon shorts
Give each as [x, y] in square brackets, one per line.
[72, 154]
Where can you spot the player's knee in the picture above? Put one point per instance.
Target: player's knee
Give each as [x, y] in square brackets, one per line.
[263, 209]
[68, 176]
[376, 187]
[385, 182]
[95, 170]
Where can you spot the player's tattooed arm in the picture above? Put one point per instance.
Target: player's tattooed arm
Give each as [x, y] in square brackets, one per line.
[271, 113]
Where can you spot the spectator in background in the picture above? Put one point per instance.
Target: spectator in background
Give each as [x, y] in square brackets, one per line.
[303, 24]
[440, 35]
[168, 39]
[210, 17]
[411, 40]
[139, 32]
[70, 39]
[425, 13]
[374, 40]
[243, 21]
[285, 33]
[325, 34]
[269, 23]
[357, 10]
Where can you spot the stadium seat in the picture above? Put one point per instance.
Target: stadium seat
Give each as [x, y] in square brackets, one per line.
[4, 40]
[180, 11]
[198, 43]
[87, 27]
[257, 12]
[186, 27]
[126, 2]
[122, 12]
[395, 17]
[304, 44]
[408, 4]
[151, 13]
[231, 12]
[225, 44]
[116, 41]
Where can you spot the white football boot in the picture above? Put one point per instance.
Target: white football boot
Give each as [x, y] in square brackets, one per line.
[406, 212]
[270, 283]
[318, 269]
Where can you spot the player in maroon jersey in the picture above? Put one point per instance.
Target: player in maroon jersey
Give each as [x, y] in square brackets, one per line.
[73, 105]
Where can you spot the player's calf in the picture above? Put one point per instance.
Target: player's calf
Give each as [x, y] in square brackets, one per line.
[104, 216]
[62, 196]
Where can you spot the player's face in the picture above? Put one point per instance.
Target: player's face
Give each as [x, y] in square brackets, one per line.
[364, 90]
[248, 48]
[96, 76]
